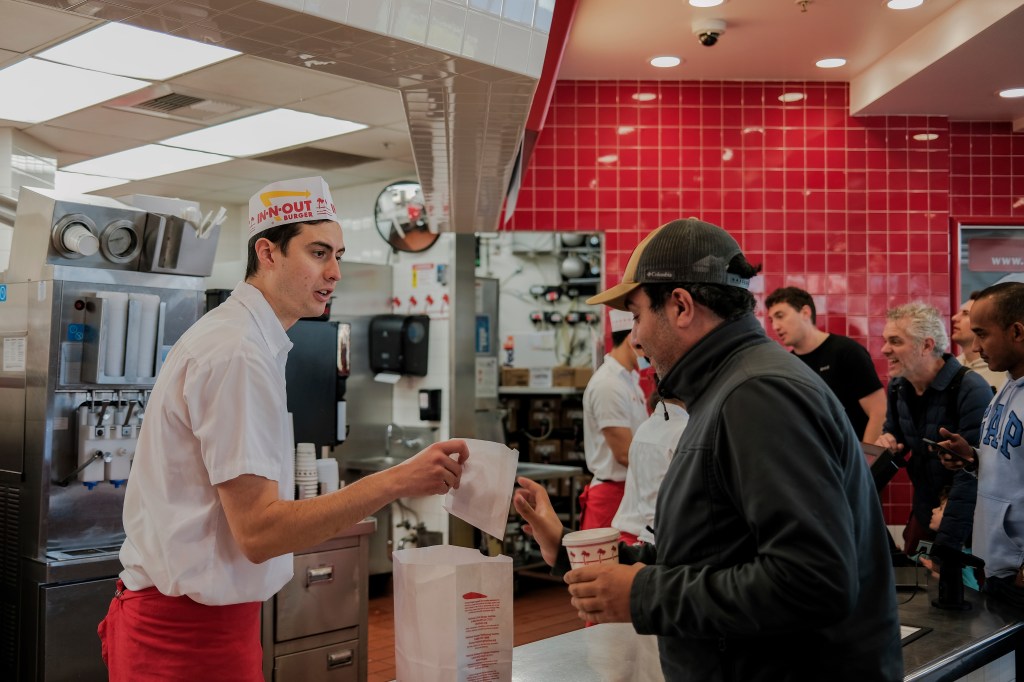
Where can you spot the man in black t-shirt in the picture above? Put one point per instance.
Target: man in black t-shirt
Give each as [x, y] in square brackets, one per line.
[843, 363]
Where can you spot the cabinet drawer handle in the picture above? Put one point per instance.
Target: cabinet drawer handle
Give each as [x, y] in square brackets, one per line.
[321, 574]
[338, 659]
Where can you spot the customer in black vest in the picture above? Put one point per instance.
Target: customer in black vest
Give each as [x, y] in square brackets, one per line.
[770, 560]
[930, 389]
[844, 364]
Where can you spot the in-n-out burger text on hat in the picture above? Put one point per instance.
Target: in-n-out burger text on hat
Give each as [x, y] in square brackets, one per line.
[290, 201]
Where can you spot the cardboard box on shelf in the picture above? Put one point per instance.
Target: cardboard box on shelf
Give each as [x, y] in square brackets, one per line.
[581, 376]
[540, 377]
[563, 376]
[546, 451]
[515, 376]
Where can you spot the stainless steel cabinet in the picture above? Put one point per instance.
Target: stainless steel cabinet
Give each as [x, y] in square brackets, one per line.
[314, 629]
[336, 663]
[325, 594]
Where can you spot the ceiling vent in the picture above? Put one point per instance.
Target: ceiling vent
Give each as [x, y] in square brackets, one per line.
[182, 105]
[312, 157]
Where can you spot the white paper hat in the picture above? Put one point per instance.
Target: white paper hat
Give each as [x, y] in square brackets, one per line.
[290, 201]
[620, 320]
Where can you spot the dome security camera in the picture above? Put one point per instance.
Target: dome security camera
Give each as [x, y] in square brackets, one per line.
[708, 31]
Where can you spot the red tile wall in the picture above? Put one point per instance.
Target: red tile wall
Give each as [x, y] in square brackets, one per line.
[854, 210]
[986, 170]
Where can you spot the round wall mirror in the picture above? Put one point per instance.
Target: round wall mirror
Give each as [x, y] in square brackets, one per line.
[401, 215]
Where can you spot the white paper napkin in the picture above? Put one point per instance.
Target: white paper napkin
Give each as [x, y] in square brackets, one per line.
[485, 490]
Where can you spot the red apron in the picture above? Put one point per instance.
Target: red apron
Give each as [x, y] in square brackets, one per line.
[629, 538]
[598, 504]
[148, 636]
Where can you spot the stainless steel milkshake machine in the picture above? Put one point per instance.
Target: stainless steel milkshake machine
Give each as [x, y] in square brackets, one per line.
[96, 293]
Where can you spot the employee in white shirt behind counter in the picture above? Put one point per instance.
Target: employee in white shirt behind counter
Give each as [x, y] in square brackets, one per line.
[210, 516]
[613, 408]
[650, 453]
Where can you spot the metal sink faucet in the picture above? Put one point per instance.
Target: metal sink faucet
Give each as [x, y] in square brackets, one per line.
[389, 432]
[389, 438]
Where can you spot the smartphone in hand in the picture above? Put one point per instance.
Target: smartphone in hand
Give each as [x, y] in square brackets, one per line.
[951, 453]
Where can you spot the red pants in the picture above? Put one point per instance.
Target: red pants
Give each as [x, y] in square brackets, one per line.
[598, 504]
[148, 636]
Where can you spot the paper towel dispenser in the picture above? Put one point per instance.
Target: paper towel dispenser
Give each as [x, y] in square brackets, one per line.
[399, 343]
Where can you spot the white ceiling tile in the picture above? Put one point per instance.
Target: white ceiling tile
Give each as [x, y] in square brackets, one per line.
[26, 27]
[7, 57]
[139, 127]
[90, 144]
[378, 143]
[362, 103]
[388, 169]
[249, 170]
[261, 80]
[211, 181]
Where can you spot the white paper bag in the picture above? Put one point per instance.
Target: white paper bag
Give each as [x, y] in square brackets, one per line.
[453, 615]
[488, 479]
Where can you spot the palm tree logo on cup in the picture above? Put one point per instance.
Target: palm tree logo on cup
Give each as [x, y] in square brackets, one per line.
[592, 546]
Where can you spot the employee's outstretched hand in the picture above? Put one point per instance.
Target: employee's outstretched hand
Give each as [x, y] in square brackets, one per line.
[956, 443]
[432, 471]
[600, 593]
[533, 504]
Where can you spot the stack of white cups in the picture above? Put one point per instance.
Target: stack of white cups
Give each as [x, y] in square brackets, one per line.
[327, 474]
[305, 470]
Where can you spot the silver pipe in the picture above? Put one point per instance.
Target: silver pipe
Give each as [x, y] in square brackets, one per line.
[8, 210]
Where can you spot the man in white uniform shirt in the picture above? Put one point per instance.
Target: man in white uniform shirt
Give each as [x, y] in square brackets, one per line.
[651, 452]
[613, 408]
[209, 515]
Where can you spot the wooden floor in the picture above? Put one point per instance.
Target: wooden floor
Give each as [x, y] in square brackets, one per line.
[540, 609]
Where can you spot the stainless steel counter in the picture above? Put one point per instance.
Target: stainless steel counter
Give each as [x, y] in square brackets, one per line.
[611, 651]
[959, 642]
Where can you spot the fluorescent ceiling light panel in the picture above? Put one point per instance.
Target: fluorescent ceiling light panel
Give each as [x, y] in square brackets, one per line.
[147, 161]
[135, 52]
[264, 132]
[59, 90]
[1012, 92]
[79, 183]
